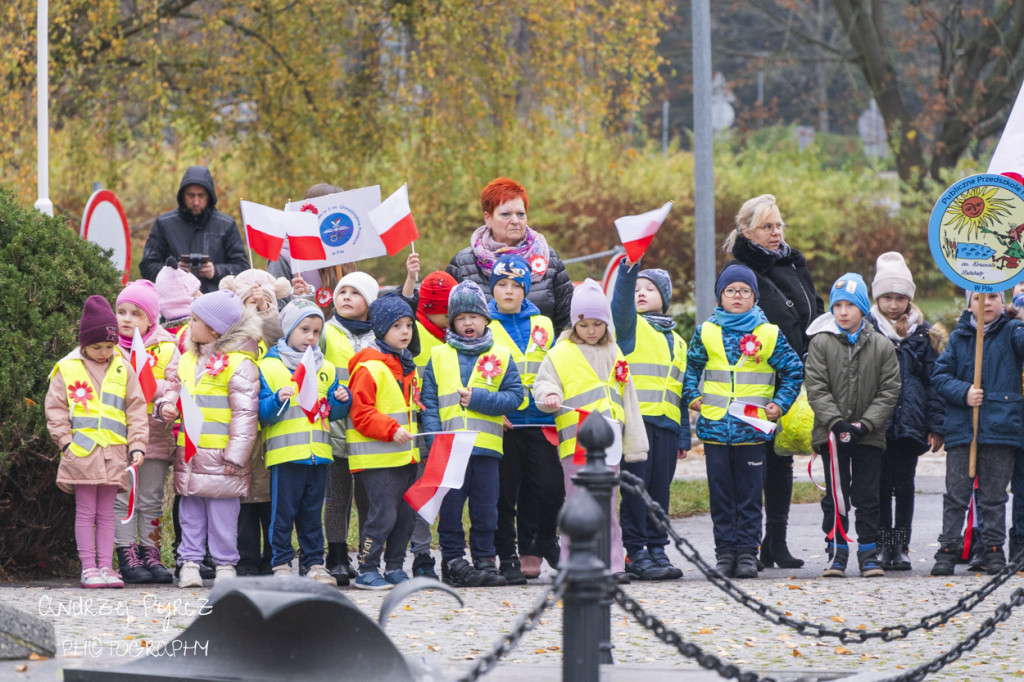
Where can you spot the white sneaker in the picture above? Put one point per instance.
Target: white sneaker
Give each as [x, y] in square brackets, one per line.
[319, 573]
[224, 572]
[188, 575]
[283, 571]
[92, 579]
[111, 578]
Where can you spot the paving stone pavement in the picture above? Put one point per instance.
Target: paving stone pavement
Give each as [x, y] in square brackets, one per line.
[109, 627]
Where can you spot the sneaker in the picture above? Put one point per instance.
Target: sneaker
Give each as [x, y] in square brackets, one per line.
[640, 566]
[372, 581]
[867, 560]
[92, 579]
[530, 565]
[423, 567]
[396, 576]
[224, 572]
[112, 578]
[130, 564]
[460, 573]
[188, 575]
[725, 564]
[283, 571]
[837, 567]
[659, 557]
[320, 574]
[995, 561]
[512, 570]
[945, 561]
[746, 565]
[151, 560]
[492, 577]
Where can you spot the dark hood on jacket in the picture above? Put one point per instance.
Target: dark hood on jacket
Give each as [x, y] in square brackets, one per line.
[197, 175]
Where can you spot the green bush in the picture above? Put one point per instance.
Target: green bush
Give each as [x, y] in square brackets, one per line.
[46, 273]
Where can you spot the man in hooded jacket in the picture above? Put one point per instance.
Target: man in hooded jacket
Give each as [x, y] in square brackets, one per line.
[196, 227]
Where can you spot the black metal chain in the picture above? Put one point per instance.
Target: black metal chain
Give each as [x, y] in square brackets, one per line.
[634, 485]
[526, 623]
[688, 649]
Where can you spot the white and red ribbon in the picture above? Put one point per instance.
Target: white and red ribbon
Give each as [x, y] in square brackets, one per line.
[133, 474]
[838, 499]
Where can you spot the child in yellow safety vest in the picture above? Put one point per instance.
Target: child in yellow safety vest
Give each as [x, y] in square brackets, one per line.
[382, 452]
[748, 368]
[587, 371]
[298, 447]
[470, 384]
[138, 542]
[656, 355]
[96, 414]
[211, 470]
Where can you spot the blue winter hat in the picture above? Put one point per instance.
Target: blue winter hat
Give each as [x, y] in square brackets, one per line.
[663, 282]
[511, 266]
[736, 273]
[850, 287]
[385, 311]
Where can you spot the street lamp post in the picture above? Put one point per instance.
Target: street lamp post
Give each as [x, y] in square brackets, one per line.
[43, 203]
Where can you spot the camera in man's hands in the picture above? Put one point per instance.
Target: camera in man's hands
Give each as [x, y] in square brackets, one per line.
[194, 261]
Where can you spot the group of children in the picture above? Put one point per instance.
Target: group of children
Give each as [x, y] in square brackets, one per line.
[251, 458]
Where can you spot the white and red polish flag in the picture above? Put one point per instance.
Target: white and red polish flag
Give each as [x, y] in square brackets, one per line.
[142, 363]
[393, 221]
[1008, 156]
[637, 231]
[445, 470]
[304, 377]
[304, 240]
[191, 421]
[266, 228]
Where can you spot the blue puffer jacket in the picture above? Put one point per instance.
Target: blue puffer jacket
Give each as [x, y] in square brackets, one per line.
[517, 326]
[919, 410]
[789, 373]
[1001, 420]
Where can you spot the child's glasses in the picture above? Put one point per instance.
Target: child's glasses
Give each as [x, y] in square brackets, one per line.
[741, 293]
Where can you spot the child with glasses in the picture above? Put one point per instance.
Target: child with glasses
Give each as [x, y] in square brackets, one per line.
[738, 353]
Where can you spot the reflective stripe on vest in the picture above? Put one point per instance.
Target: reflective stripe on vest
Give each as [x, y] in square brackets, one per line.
[102, 420]
[428, 342]
[445, 362]
[370, 453]
[748, 380]
[338, 351]
[211, 396]
[584, 390]
[528, 364]
[293, 438]
[657, 376]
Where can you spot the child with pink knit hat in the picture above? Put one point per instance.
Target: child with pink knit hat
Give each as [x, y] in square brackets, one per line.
[138, 541]
[175, 289]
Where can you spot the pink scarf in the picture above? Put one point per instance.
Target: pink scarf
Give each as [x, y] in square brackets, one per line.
[488, 251]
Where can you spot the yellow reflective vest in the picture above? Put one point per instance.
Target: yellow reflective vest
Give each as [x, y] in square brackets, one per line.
[657, 376]
[101, 420]
[542, 335]
[749, 380]
[338, 351]
[211, 396]
[293, 438]
[582, 389]
[369, 453]
[428, 342]
[445, 363]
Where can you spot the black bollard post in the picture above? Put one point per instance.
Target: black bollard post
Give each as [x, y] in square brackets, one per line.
[595, 434]
[586, 586]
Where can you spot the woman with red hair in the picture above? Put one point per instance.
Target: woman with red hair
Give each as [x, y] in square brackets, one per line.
[504, 203]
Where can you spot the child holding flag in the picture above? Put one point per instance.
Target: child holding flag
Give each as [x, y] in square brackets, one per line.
[738, 353]
[853, 383]
[586, 361]
[529, 463]
[470, 383]
[657, 356]
[382, 454]
[142, 340]
[219, 403]
[96, 414]
[298, 448]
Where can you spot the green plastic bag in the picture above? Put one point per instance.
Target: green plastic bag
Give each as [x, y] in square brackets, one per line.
[793, 434]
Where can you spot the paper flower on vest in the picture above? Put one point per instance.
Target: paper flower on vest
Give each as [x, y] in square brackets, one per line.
[622, 371]
[321, 411]
[489, 367]
[538, 338]
[217, 363]
[749, 346]
[81, 393]
[324, 296]
[152, 356]
[539, 264]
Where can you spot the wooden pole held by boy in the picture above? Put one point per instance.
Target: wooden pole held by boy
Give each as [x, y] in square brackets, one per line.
[979, 343]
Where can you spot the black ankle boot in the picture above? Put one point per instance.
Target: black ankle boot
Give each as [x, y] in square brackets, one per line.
[337, 562]
[774, 550]
[900, 550]
[885, 548]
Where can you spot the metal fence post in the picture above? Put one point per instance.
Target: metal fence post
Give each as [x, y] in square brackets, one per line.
[586, 585]
[595, 434]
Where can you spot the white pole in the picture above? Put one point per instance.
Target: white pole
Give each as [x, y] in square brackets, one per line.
[703, 161]
[43, 203]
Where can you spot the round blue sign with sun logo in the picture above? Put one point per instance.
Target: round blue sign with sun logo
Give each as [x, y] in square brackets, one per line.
[336, 229]
[975, 233]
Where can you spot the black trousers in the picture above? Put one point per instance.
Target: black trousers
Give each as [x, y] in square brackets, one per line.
[530, 475]
[778, 488]
[859, 468]
[899, 466]
[254, 548]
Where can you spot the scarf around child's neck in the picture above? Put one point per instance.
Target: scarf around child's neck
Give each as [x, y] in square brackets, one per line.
[474, 346]
[661, 322]
[126, 341]
[291, 357]
[739, 322]
[432, 329]
[403, 356]
[355, 327]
